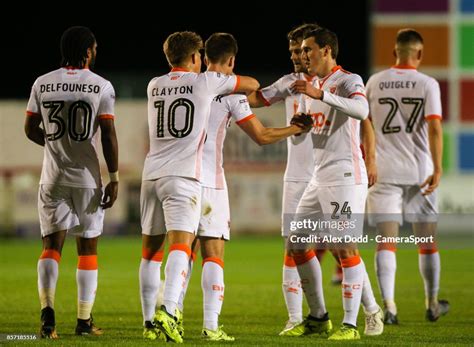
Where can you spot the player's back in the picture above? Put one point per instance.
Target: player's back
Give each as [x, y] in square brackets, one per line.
[400, 100]
[224, 108]
[70, 102]
[178, 112]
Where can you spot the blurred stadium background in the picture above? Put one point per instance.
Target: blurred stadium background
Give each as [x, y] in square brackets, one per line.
[254, 174]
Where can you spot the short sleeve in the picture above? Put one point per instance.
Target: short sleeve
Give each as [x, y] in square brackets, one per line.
[33, 107]
[240, 109]
[433, 100]
[276, 92]
[353, 86]
[107, 103]
[221, 84]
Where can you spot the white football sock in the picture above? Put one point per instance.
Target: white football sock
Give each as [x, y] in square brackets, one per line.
[48, 272]
[176, 271]
[186, 283]
[353, 270]
[311, 282]
[430, 268]
[86, 278]
[368, 298]
[212, 283]
[292, 291]
[149, 276]
[386, 267]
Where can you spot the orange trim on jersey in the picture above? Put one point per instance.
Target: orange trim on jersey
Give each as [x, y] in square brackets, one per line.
[193, 256]
[75, 68]
[387, 246]
[303, 258]
[106, 116]
[87, 262]
[237, 83]
[350, 262]
[433, 116]
[289, 261]
[333, 70]
[308, 78]
[405, 67]
[148, 254]
[51, 254]
[32, 114]
[243, 120]
[260, 95]
[216, 260]
[181, 247]
[182, 69]
[357, 93]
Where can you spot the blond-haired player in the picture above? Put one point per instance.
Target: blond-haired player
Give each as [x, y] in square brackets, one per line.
[178, 112]
[405, 107]
[72, 103]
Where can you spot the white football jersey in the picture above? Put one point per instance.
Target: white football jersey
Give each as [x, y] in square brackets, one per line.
[178, 111]
[70, 103]
[335, 135]
[224, 108]
[300, 163]
[401, 99]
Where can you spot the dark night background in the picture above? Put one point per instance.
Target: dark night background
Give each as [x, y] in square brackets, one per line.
[130, 38]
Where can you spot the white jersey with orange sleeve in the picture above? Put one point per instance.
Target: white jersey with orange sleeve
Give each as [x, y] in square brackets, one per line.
[299, 165]
[224, 108]
[179, 104]
[70, 103]
[336, 135]
[401, 100]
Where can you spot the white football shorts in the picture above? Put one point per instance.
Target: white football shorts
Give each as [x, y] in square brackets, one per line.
[292, 193]
[170, 203]
[76, 210]
[388, 202]
[333, 209]
[215, 214]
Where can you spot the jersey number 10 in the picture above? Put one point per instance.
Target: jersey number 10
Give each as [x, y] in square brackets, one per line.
[188, 118]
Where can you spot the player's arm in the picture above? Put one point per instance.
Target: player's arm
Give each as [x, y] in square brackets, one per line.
[355, 106]
[368, 141]
[246, 84]
[256, 99]
[435, 138]
[33, 130]
[110, 150]
[264, 136]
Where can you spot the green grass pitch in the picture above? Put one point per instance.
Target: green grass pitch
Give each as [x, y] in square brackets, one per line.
[253, 311]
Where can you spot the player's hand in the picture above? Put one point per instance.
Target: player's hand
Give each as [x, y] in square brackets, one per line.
[110, 195]
[303, 121]
[432, 182]
[303, 87]
[371, 172]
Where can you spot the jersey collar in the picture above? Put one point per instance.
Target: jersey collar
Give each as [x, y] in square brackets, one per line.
[333, 70]
[175, 69]
[403, 67]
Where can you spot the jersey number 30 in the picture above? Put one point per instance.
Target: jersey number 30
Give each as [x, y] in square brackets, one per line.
[188, 118]
[54, 116]
[418, 106]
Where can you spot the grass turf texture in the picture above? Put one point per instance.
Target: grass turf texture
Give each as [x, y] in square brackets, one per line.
[254, 310]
